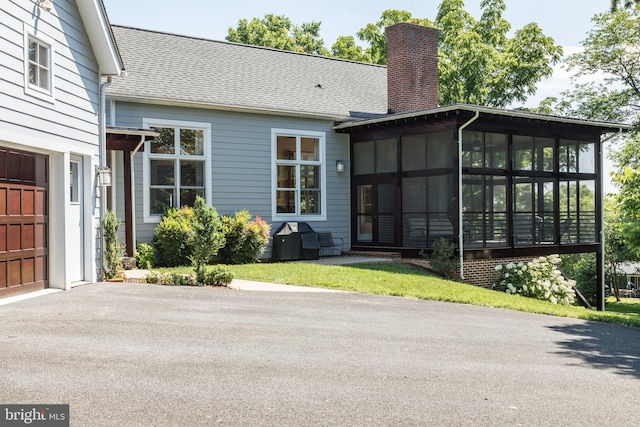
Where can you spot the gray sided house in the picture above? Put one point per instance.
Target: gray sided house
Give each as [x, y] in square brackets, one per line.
[245, 127]
[260, 129]
[53, 56]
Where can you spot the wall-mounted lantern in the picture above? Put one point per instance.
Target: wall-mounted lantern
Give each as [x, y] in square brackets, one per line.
[103, 176]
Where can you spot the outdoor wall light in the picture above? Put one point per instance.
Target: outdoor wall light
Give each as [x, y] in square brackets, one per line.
[103, 176]
[47, 5]
[339, 166]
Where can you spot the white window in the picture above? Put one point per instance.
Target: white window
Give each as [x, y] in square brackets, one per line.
[176, 166]
[298, 175]
[38, 64]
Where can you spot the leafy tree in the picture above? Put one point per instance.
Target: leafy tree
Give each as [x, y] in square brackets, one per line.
[278, 32]
[478, 62]
[582, 267]
[346, 48]
[628, 198]
[611, 53]
[374, 33]
[627, 4]
[586, 277]
[617, 251]
[610, 49]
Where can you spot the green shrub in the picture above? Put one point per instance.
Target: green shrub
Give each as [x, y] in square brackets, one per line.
[173, 238]
[216, 275]
[113, 251]
[207, 237]
[145, 255]
[539, 278]
[172, 279]
[178, 279]
[245, 240]
[443, 258]
[152, 277]
[586, 277]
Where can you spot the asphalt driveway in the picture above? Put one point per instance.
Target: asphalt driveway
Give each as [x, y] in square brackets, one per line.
[147, 355]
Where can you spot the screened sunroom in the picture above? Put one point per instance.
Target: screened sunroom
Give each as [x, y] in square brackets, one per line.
[517, 185]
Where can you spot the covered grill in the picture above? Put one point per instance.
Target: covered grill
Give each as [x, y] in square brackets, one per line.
[295, 241]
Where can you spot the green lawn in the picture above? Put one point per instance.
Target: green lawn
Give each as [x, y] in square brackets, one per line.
[408, 281]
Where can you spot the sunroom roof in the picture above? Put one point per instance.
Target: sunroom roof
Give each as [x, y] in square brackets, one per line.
[605, 127]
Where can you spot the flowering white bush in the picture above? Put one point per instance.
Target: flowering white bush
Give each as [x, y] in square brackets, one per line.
[539, 278]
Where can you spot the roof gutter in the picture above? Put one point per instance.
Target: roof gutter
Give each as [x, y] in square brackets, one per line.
[460, 219]
[229, 107]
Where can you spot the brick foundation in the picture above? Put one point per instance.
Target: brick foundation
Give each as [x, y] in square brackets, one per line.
[479, 272]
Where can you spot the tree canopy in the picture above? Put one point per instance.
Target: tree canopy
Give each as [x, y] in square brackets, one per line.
[617, 4]
[612, 55]
[278, 32]
[478, 62]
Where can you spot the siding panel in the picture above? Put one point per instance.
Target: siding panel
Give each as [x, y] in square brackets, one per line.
[73, 112]
[64, 123]
[241, 162]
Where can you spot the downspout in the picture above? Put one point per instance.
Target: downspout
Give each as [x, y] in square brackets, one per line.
[460, 221]
[103, 163]
[602, 225]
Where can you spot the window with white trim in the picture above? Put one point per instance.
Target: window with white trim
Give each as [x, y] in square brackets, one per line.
[176, 166]
[38, 64]
[298, 174]
[39, 60]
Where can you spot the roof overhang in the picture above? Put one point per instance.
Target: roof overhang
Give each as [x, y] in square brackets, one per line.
[226, 107]
[605, 127]
[104, 45]
[128, 139]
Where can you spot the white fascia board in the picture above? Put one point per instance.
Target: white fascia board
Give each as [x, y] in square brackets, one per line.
[98, 29]
[224, 107]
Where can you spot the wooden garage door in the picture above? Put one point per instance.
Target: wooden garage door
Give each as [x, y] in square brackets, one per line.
[23, 222]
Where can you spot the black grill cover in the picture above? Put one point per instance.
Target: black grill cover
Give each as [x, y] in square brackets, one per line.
[295, 241]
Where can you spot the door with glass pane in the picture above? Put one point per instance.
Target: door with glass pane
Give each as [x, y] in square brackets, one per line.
[376, 213]
[384, 219]
[75, 221]
[533, 213]
[376, 184]
[364, 213]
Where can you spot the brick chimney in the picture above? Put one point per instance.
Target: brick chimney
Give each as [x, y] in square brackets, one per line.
[412, 67]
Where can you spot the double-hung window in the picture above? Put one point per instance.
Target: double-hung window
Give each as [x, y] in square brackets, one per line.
[298, 174]
[38, 68]
[176, 166]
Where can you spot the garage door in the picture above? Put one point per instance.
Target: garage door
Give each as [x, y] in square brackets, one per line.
[23, 222]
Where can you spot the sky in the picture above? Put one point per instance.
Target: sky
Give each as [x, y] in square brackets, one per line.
[567, 21]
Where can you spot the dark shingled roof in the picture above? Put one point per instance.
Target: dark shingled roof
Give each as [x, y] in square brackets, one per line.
[173, 69]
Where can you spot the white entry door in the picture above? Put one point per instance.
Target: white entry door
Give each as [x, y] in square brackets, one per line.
[75, 222]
